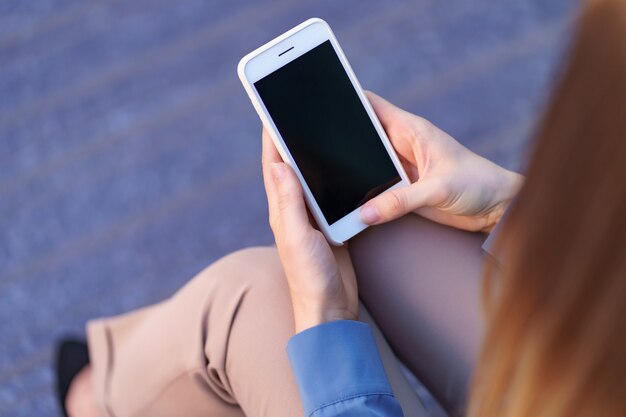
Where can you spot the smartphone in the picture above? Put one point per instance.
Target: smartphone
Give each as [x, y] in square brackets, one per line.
[322, 124]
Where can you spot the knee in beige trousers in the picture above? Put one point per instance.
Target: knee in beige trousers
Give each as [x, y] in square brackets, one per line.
[215, 348]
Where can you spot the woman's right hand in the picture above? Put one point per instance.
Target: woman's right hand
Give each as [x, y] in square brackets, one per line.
[450, 184]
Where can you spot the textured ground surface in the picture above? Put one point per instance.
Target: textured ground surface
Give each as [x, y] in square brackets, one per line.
[129, 153]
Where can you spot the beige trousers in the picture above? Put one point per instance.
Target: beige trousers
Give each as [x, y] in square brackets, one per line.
[217, 346]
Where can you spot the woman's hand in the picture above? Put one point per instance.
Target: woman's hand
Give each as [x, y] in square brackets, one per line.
[451, 184]
[321, 279]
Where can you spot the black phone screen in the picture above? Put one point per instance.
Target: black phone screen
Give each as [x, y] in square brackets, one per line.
[328, 131]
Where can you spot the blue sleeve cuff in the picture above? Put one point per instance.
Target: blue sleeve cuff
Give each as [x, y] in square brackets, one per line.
[336, 361]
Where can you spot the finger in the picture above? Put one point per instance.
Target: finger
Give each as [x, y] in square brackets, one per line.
[396, 203]
[269, 155]
[470, 223]
[312, 220]
[387, 113]
[409, 167]
[397, 123]
[291, 212]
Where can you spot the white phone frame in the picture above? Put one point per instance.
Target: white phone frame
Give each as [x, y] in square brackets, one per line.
[272, 56]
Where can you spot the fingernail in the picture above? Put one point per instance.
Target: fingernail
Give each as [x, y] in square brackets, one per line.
[278, 171]
[369, 214]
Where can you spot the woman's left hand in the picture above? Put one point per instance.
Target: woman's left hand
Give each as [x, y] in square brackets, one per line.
[321, 279]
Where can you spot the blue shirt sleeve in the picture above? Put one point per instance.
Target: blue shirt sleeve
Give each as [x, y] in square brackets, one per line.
[339, 372]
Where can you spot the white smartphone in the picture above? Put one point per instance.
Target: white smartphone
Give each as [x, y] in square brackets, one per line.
[323, 126]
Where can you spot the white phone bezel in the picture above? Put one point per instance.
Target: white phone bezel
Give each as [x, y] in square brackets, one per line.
[267, 59]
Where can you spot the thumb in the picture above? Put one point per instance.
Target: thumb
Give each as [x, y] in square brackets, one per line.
[291, 210]
[396, 203]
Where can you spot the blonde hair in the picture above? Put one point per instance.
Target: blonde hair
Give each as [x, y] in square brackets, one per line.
[556, 313]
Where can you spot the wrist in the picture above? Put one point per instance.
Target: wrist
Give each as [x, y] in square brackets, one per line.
[307, 316]
[508, 189]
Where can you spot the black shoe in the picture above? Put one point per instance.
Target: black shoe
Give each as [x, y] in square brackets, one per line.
[71, 357]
